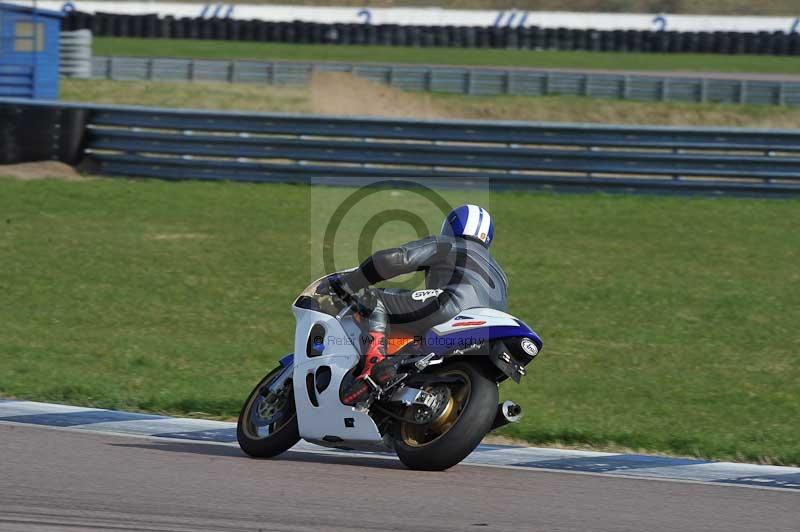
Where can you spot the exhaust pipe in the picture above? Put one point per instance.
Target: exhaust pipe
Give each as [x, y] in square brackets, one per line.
[507, 412]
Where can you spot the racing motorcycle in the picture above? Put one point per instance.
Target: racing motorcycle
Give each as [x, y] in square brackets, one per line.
[437, 410]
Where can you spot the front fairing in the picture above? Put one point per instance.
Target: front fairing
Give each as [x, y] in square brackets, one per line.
[310, 300]
[327, 346]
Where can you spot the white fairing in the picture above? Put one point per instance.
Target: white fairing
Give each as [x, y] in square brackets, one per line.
[475, 318]
[340, 354]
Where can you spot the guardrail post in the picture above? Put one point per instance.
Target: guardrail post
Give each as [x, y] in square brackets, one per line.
[150, 69]
[703, 90]
[742, 91]
[429, 80]
[546, 84]
[310, 71]
[769, 153]
[468, 88]
[192, 69]
[390, 76]
[586, 89]
[589, 173]
[506, 89]
[664, 89]
[781, 96]
[109, 68]
[270, 78]
[676, 151]
[232, 71]
[626, 88]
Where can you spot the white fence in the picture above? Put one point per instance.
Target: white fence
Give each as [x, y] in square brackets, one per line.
[434, 16]
[76, 54]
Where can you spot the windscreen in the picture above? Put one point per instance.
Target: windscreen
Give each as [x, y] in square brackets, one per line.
[309, 299]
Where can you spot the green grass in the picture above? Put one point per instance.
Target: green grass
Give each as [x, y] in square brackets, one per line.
[670, 324]
[340, 94]
[223, 96]
[450, 56]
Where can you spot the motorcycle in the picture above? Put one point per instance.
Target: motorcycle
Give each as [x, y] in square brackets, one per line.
[437, 410]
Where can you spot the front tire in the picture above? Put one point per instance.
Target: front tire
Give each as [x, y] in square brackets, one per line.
[267, 423]
[469, 419]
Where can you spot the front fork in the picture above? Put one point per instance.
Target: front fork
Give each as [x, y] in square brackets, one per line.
[287, 363]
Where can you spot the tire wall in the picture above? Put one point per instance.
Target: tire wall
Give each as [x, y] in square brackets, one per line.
[37, 133]
[533, 38]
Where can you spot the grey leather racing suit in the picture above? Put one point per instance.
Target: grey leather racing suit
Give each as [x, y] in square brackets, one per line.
[459, 274]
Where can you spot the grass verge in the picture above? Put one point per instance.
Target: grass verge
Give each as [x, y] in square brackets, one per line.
[208, 49]
[670, 323]
[342, 94]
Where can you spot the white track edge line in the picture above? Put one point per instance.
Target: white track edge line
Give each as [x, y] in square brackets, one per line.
[394, 458]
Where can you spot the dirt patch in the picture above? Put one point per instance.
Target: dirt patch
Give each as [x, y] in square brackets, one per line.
[41, 170]
[344, 94]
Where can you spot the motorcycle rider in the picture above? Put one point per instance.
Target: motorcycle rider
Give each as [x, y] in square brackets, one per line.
[459, 274]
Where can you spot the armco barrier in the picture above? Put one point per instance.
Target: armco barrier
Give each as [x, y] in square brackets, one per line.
[460, 80]
[530, 38]
[184, 144]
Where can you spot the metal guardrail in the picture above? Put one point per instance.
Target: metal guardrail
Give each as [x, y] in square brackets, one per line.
[76, 54]
[186, 144]
[459, 80]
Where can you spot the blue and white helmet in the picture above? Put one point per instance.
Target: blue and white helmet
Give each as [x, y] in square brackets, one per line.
[470, 221]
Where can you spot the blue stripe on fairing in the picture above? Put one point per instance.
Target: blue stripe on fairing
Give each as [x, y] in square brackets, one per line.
[533, 334]
[604, 464]
[449, 341]
[790, 481]
[287, 360]
[70, 419]
[218, 435]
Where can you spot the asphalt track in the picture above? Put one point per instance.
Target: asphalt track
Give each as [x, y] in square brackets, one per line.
[61, 480]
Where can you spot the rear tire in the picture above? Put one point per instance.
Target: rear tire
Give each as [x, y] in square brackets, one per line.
[285, 433]
[463, 436]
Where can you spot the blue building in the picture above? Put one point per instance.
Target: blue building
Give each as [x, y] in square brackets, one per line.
[29, 52]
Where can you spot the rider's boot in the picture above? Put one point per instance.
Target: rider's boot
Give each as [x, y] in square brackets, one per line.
[377, 367]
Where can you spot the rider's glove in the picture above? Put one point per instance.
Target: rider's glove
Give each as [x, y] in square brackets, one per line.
[367, 300]
[333, 286]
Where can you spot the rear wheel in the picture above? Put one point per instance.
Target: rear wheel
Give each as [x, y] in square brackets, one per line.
[465, 410]
[268, 420]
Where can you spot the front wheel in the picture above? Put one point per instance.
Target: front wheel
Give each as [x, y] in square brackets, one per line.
[268, 421]
[466, 410]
